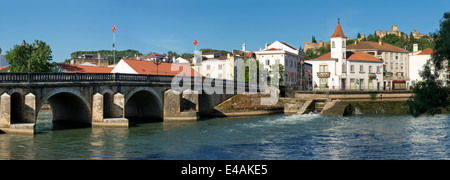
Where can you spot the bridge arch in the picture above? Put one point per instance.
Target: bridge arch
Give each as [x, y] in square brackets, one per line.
[67, 106]
[143, 104]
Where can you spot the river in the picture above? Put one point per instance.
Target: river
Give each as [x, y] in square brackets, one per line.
[309, 137]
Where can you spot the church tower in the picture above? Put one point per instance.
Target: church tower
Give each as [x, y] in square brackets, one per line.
[338, 44]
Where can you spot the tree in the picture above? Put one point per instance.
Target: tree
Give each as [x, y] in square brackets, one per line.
[39, 53]
[170, 54]
[313, 40]
[359, 36]
[432, 96]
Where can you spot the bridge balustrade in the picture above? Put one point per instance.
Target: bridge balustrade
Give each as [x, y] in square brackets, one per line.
[79, 77]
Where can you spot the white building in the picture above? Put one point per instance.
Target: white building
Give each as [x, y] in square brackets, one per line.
[418, 59]
[342, 69]
[219, 68]
[181, 60]
[132, 66]
[284, 54]
[395, 62]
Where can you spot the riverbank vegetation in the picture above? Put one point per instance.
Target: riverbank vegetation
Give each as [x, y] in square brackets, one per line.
[432, 97]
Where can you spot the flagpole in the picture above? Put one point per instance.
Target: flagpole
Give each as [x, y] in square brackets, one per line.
[114, 52]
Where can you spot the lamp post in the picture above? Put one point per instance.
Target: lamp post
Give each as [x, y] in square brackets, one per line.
[36, 45]
[157, 61]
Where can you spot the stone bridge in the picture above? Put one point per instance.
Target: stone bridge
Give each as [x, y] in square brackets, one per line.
[100, 99]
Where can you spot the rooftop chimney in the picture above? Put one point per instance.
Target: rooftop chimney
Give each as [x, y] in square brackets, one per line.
[415, 47]
[379, 42]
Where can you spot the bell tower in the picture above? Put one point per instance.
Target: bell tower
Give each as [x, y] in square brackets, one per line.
[338, 43]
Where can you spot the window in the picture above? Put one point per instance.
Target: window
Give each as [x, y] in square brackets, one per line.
[370, 69]
[401, 66]
[323, 68]
[343, 55]
[267, 62]
[332, 45]
[378, 69]
[361, 69]
[277, 61]
[392, 65]
[352, 84]
[343, 44]
[344, 68]
[208, 67]
[352, 68]
[361, 84]
[220, 67]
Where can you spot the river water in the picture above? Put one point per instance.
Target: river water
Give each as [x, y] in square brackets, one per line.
[275, 137]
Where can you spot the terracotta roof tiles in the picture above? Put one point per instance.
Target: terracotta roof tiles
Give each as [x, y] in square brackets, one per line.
[84, 69]
[148, 67]
[351, 56]
[427, 51]
[366, 45]
[338, 32]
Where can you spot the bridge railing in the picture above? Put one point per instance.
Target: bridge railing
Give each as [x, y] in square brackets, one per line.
[80, 77]
[90, 77]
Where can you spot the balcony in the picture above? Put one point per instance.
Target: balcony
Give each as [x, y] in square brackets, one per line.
[323, 74]
[372, 76]
[396, 78]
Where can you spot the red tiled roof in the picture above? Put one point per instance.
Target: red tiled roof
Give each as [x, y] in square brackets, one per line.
[366, 45]
[338, 32]
[84, 69]
[351, 56]
[361, 56]
[148, 67]
[427, 51]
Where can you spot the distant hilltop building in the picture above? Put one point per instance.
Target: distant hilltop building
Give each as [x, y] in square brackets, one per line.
[394, 30]
[310, 45]
[90, 59]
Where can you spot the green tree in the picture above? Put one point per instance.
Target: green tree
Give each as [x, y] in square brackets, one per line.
[39, 53]
[358, 36]
[432, 96]
[313, 39]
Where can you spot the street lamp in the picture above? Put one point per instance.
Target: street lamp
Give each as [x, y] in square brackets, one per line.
[157, 61]
[36, 45]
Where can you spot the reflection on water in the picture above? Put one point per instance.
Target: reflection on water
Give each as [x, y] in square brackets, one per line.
[308, 136]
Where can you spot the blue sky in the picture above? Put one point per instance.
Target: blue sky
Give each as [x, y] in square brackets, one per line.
[172, 25]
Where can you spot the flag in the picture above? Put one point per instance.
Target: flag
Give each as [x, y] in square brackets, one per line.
[114, 29]
[195, 42]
